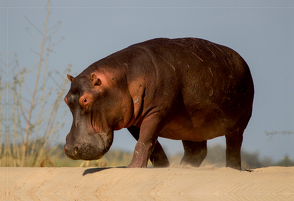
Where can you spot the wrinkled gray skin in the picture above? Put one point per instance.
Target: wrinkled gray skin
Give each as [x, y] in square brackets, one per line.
[183, 89]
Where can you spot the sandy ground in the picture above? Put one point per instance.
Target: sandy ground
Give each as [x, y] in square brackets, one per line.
[175, 183]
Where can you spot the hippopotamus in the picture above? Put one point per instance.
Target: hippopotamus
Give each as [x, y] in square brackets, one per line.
[185, 89]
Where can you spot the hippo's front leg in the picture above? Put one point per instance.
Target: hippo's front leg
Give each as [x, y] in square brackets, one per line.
[158, 158]
[149, 130]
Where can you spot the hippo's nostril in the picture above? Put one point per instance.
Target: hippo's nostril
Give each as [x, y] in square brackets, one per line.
[76, 149]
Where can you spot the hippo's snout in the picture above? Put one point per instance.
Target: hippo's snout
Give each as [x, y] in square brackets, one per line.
[83, 152]
[87, 147]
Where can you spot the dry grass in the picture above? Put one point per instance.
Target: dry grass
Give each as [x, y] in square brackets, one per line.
[31, 117]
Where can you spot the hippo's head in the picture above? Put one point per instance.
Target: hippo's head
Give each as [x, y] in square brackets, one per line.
[97, 111]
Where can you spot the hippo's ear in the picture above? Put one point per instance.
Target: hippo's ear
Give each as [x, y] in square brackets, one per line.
[95, 80]
[69, 77]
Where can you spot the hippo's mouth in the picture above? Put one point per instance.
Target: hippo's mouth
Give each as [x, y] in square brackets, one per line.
[88, 143]
[90, 139]
[91, 147]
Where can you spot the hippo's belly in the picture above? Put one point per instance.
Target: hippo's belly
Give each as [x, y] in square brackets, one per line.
[198, 129]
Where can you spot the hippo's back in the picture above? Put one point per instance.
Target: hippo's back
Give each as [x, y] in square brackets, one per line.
[213, 82]
[203, 71]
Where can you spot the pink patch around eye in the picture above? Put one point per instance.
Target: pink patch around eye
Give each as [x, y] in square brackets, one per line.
[86, 100]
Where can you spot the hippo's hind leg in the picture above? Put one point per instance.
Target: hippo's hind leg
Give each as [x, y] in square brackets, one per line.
[195, 153]
[233, 151]
[158, 158]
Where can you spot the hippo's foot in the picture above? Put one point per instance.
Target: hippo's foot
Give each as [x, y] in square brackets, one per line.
[195, 153]
[158, 158]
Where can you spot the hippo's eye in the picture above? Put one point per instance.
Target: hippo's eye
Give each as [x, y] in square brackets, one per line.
[86, 101]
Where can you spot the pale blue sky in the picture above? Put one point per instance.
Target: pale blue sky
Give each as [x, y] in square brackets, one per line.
[261, 31]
